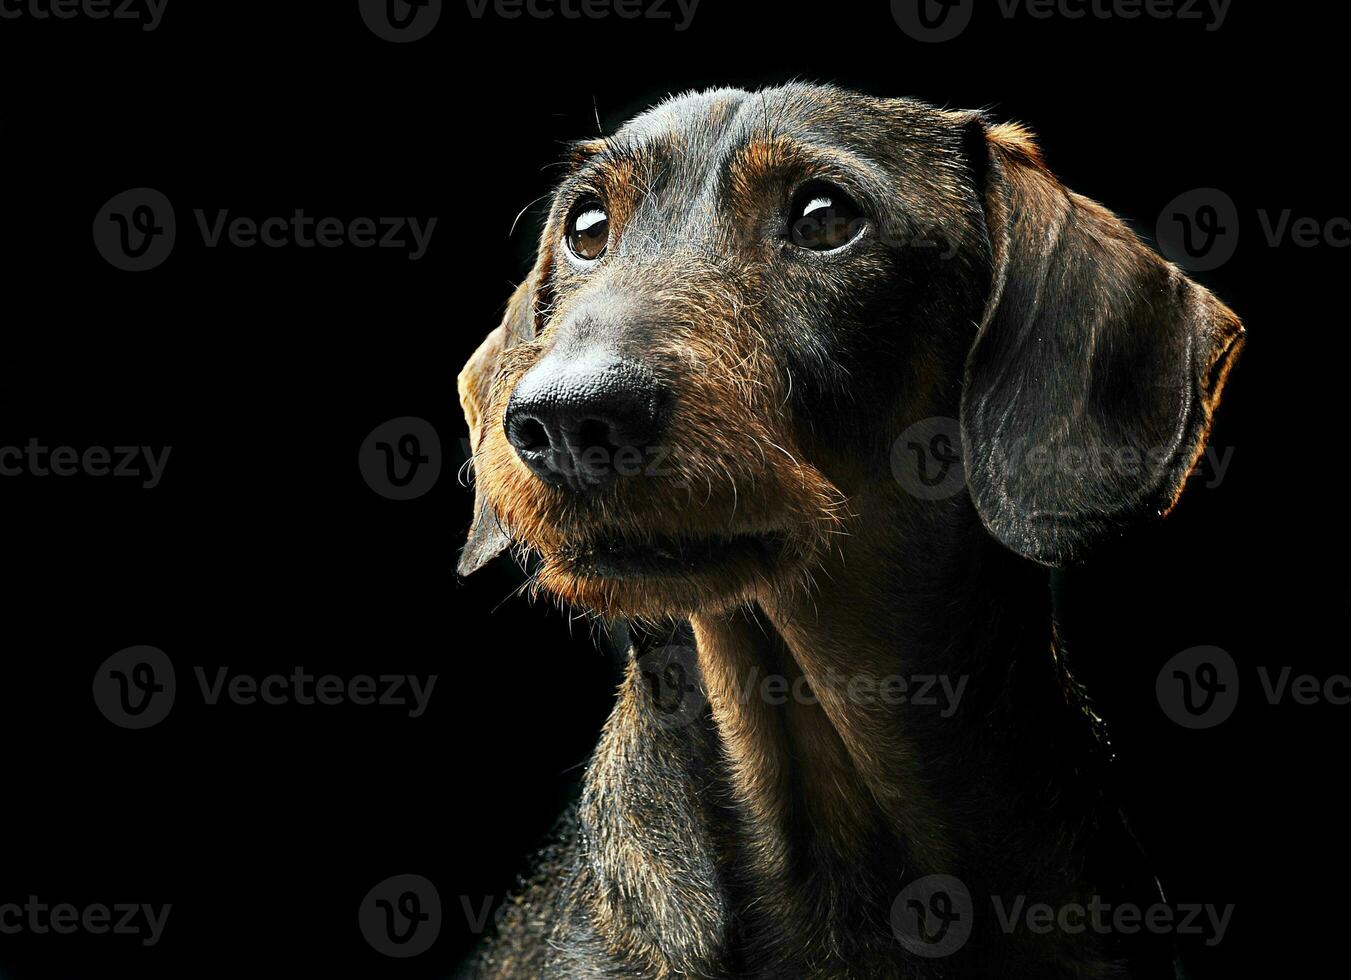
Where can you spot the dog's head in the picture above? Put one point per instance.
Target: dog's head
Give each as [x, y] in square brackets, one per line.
[741, 300]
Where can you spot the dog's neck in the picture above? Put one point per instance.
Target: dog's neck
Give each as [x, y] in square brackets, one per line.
[907, 715]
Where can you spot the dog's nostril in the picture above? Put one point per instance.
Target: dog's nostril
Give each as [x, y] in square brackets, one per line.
[574, 424]
[530, 435]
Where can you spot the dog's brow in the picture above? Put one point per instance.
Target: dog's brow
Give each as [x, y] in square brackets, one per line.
[582, 151]
[758, 156]
[613, 151]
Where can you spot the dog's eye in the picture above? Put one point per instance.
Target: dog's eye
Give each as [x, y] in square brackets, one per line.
[588, 230]
[823, 218]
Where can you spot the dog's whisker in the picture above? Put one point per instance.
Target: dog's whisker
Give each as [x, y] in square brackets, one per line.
[520, 214]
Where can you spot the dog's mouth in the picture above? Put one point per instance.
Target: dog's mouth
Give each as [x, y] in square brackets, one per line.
[665, 557]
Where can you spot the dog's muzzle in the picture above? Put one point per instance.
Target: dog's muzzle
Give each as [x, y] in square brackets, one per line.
[578, 422]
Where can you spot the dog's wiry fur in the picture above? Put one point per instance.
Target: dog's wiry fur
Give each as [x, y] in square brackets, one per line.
[769, 838]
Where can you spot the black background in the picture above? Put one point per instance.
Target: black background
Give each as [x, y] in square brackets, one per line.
[263, 547]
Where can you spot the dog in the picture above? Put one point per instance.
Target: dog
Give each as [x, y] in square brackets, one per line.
[807, 392]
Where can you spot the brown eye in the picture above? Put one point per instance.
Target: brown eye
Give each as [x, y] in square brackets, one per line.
[588, 230]
[823, 218]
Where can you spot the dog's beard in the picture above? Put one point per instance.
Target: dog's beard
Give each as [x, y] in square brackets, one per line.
[663, 576]
[706, 533]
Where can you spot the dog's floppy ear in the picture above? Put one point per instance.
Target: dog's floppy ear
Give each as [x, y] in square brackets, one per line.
[487, 540]
[1089, 389]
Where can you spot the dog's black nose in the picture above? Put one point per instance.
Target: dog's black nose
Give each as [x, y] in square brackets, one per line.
[581, 423]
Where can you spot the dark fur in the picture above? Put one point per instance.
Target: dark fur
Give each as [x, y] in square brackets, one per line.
[763, 840]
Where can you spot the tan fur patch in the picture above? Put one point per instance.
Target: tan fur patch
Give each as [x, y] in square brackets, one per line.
[1018, 141]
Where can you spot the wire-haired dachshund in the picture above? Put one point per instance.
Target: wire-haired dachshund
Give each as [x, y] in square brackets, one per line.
[808, 389]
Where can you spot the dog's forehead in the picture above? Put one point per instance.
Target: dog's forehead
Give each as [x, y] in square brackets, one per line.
[701, 129]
